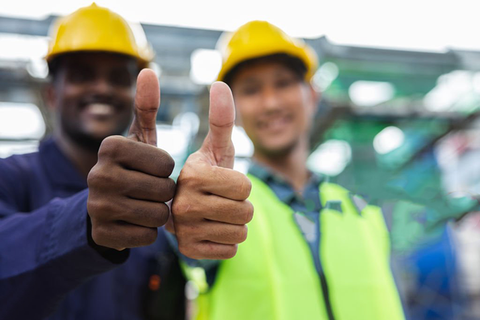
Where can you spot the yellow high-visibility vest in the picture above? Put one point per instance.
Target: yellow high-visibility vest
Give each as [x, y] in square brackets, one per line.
[274, 274]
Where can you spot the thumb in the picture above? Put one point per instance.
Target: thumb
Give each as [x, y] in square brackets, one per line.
[218, 144]
[147, 100]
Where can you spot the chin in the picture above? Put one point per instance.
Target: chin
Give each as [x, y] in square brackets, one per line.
[103, 131]
[100, 135]
[91, 140]
[88, 142]
[277, 150]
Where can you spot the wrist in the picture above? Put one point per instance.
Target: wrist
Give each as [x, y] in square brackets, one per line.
[110, 254]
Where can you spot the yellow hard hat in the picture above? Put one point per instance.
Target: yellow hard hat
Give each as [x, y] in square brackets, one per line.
[95, 28]
[257, 39]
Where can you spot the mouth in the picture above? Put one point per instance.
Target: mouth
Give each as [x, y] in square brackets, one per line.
[99, 110]
[274, 124]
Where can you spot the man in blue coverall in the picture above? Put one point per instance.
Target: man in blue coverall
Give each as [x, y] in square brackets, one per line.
[72, 252]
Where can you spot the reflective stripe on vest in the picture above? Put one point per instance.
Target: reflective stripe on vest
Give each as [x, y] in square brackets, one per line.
[273, 275]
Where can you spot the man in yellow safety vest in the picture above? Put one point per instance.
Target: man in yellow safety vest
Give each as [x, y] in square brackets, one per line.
[314, 250]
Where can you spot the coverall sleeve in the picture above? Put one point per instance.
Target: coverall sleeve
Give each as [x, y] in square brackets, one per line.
[44, 254]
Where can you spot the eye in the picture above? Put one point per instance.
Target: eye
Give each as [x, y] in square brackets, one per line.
[285, 82]
[249, 90]
[121, 78]
[80, 74]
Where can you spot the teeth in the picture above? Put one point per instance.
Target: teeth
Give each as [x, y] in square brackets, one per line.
[275, 123]
[100, 109]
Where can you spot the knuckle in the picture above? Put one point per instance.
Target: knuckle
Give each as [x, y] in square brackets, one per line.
[191, 174]
[242, 236]
[110, 147]
[123, 187]
[161, 215]
[98, 235]
[130, 212]
[190, 234]
[101, 177]
[99, 208]
[229, 252]
[164, 162]
[248, 211]
[183, 234]
[245, 212]
[186, 178]
[180, 208]
[92, 205]
[168, 164]
[245, 186]
[187, 250]
[94, 176]
[168, 188]
[148, 236]
[129, 208]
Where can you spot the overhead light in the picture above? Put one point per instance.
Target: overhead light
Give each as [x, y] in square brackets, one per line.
[172, 139]
[388, 140]
[21, 121]
[476, 82]
[37, 68]
[16, 47]
[325, 75]
[243, 149]
[175, 141]
[8, 148]
[188, 122]
[450, 89]
[205, 64]
[156, 68]
[330, 158]
[242, 143]
[370, 93]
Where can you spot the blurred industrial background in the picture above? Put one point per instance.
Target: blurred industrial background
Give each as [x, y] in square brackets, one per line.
[400, 127]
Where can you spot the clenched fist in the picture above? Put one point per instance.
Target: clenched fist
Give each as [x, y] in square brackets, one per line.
[130, 183]
[210, 210]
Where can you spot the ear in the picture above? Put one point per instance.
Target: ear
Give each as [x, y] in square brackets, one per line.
[315, 97]
[50, 96]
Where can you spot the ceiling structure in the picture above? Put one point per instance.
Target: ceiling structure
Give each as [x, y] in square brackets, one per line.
[411, 74]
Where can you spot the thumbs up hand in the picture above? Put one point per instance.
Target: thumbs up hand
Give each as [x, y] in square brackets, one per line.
[210, 210]
[130, 183]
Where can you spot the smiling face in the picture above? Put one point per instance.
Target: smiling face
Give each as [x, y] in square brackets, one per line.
[275, 106]
[93, 96]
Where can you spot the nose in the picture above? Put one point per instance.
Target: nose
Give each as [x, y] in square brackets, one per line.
[102, 86]
[271, 98]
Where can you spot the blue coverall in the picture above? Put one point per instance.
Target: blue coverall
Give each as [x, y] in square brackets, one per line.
[47, 267]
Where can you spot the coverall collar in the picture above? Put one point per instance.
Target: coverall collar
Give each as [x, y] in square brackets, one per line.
[60, 169]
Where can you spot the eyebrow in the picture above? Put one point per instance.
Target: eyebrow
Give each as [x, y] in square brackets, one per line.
[76, 65]
[250, 79]
[283, 72]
